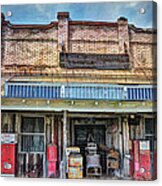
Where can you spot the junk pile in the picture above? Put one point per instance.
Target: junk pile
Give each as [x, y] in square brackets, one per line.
[93, 166]
[112, 160]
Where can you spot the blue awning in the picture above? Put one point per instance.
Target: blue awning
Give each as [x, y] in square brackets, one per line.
[80, 91]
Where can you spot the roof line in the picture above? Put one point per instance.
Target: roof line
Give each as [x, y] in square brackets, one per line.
[94, 23]
[71, 22]
[42, 108]
[30, 26]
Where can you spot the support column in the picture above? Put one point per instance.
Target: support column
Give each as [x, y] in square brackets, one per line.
[48, 133]
[17, 123]
[60, 145]
[73, 133]
[142, 127]
[20, 157]
[120, 145]
[63, 31]
[123, 35]
[53, 132]
[68, 132]
[64, 141]
[126, 146]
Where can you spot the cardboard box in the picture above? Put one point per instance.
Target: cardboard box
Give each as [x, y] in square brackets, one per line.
[72, 150]
[75, 172]
[144, 145]
[75, 160]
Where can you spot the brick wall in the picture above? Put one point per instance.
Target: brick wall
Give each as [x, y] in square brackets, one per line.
[143, 50]
[93, 39]
[29, 46]
[34, 49]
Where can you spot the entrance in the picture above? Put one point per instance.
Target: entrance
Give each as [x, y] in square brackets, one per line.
[97, 132]
[102, 131]
[151, 135]
[31, 150]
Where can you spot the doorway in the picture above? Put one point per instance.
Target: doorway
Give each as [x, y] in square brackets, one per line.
[151, 135]
[85, 133]
[102, 131]
[31, 150]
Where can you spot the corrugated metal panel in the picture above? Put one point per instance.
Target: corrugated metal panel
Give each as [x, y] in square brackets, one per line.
[80, 91]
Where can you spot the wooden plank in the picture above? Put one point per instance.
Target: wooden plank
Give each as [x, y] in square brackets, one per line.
[27, 162]
[64, 141]
[17, 116]
[126, 146]
[103, 105]
[31, 134]
[52, 128]
[120, 143]
[131, 132]
[42, 153]
[59, 142]
[48, 133]
[142, 127]
[55, 130]
[123, 147]
[18, 121]
[45, 143]
[94, 115]
[68, 132]
[73, 133]
[35, 159]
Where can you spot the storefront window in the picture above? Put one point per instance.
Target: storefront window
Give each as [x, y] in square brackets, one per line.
[32, 125]
[32, 134]
[149, 126]
[150, 131]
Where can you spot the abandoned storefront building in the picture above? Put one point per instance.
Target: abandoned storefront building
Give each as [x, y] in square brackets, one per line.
[78, 99]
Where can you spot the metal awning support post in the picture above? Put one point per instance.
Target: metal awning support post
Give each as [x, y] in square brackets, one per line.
[64, 142]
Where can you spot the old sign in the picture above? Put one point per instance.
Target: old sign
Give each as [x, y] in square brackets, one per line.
[95, 61]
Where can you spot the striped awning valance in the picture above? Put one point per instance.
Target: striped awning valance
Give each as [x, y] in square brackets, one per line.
[80, 91]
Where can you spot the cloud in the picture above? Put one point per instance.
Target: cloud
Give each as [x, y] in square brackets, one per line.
[104, 11]
[43, 10]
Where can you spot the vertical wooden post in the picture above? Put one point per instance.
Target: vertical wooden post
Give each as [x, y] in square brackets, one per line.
[17, 131]
[34, 159]
[27, 163]
[126, 146]
[17, 123]
[52, 122]
[73, 133]
[120, 144]
[142, 128]
[45, 144]
[48, 133]
[59, 144]
[59, 138]
[64, 141]
[68, 132]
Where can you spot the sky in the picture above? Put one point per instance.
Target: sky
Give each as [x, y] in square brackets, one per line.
[105, 11]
